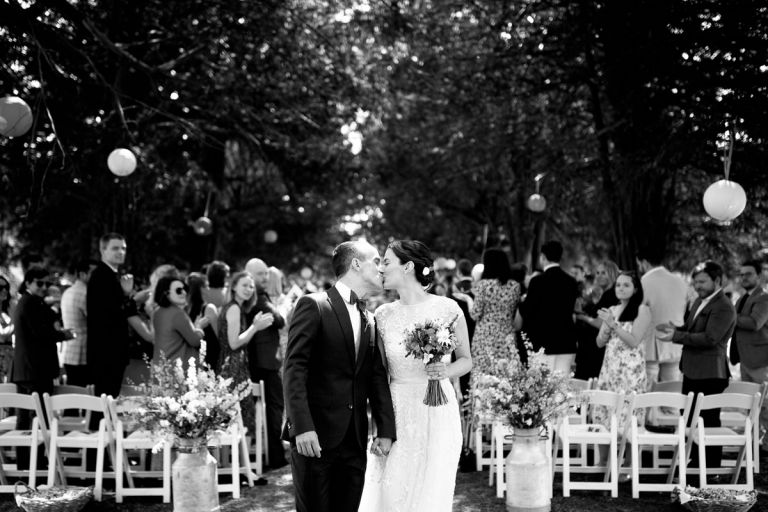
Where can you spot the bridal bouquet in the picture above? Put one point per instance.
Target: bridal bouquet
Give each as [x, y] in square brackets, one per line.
[523, 396]
[192, 403]
[430, 341]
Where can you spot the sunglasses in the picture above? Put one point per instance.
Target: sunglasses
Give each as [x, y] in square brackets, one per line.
[41, 283]
[179, 290]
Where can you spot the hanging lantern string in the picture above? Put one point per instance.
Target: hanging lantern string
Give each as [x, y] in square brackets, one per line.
[538, 179]
[207, 203]
[729, 150]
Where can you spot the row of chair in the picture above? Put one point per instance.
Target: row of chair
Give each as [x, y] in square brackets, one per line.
[65, 437]
[669, 410]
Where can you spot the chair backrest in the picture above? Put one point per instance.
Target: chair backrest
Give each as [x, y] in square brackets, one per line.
[746, 388]
[599, 397]
[30, 403]
[55, 405]
[70, 389]
[672, 400]
[577, 385]
[749, 403]
[668, 386]
[133, 390]
[9, 387]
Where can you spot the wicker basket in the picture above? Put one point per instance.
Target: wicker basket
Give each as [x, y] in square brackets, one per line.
[745, 501]
[65, 498]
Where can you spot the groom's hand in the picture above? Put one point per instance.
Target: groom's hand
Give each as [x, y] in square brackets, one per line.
[381, 446]
[308, 445]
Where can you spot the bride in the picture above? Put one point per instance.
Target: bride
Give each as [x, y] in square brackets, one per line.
[420, 471]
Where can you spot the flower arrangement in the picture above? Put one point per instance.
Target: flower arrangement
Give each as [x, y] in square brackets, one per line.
[523, 395]
[712, 498]
[187, 404]
[430, 341]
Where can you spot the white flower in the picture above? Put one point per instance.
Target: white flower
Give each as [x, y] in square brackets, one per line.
[425, 271]
[444, 337]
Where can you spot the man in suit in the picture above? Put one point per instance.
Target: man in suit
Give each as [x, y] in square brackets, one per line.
[548, 309]
[749, 344]
[704, 337]
[332, 369]
[666, 296]
[263, 363]
[108, 334]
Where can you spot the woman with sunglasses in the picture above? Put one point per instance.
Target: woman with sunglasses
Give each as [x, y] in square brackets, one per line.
[6, 329]
[175, 334]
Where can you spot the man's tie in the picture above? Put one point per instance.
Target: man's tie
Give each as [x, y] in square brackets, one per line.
[733, 353]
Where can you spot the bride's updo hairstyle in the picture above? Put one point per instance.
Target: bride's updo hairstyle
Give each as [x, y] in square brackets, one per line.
[420, 255]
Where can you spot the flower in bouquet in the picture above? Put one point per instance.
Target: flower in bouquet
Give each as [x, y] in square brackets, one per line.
[429, 341]
[523, 395]
[191, 403]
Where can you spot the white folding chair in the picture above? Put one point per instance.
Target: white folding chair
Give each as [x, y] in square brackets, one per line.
[574, 416]
[735, 418]
[261, 447]
[102, 440]
[638, 437]
[588, 432]
[80, 419]
[34, 439]
[131, 438]
[725, 436]
[483, 427]
[235, 440]
[7, 416]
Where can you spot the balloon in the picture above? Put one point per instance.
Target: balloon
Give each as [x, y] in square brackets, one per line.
[121, 162]
[306, 273]
[203, 226]
[3, 124]
[17, 116]
[537, 203]
[270, 236]
[724, 200]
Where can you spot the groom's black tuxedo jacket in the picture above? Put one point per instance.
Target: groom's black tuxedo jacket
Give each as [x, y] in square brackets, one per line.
[325, 386]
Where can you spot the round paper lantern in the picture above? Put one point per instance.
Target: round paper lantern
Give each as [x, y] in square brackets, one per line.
[121, 162]
[203, 226]
[724, 200]
[17, 116]
[3, 124]
[537, 203]
[306, 273]
[270, 236]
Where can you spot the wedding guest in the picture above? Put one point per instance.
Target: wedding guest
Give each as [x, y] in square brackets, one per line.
[108, 338]
[263, 360]
[74, 314]
[235, 333]
[216, 293]
[463, 281]
[496, 298]
[175, 334]
[6, 330]
[623, 332]
[197, 307]
[666, 295]
[589, 356]
[749, 344]
[548, 309]
[708, 325]
[35, 361]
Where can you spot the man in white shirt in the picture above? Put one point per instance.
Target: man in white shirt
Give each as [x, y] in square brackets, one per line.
[666, 295]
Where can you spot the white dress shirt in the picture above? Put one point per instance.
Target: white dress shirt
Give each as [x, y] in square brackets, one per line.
[354, 313]
[704, 302]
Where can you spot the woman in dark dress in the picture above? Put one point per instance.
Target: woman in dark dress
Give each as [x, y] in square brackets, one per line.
[196, 308]
[589, 357]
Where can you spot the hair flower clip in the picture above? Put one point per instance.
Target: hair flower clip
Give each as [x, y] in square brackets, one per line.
[425, 272]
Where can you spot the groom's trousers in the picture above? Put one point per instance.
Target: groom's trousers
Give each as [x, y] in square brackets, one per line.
[333, 482]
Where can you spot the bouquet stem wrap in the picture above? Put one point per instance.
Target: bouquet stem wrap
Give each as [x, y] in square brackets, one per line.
[435, 395]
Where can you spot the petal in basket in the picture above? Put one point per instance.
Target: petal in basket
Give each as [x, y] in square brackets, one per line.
[63, 498]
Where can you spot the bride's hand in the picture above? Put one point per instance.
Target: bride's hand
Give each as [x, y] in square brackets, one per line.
[436, 371]
[381, 446]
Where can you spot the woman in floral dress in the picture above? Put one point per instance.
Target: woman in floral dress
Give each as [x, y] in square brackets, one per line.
[494, 309]
[234, 336]
[623, 333]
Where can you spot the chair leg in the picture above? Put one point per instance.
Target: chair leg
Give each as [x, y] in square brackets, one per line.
[53, 463]
[566, 465]
[166, 473]
[120, 456]
[635, 464]
[492, 465]
[614, 458]
[98, 484]
[33, 463]
[702, 463]
[246, 460]
[235, 467]
[499, 464]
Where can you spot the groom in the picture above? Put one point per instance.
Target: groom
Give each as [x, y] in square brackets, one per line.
[332, 369]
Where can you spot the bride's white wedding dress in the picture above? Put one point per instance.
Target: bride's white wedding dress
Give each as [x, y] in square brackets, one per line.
[419, 474]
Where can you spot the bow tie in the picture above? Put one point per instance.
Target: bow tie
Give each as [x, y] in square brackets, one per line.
[356, 301]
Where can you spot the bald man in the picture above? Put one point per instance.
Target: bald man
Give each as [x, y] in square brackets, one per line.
[263, 362]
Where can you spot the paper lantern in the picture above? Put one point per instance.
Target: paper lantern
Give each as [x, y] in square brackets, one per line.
[537, 203]
[724, 200]
[3, 124]
[306, 273]
[121, 162]
[17, 116]
[270, 236]
[203, 226]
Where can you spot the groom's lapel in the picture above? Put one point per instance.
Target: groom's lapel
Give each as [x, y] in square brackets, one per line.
[342, 315]
[366, 339]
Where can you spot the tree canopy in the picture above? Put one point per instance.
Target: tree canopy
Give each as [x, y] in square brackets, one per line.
[421, 119]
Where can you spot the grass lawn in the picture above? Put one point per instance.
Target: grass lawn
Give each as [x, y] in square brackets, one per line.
[472, 495]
